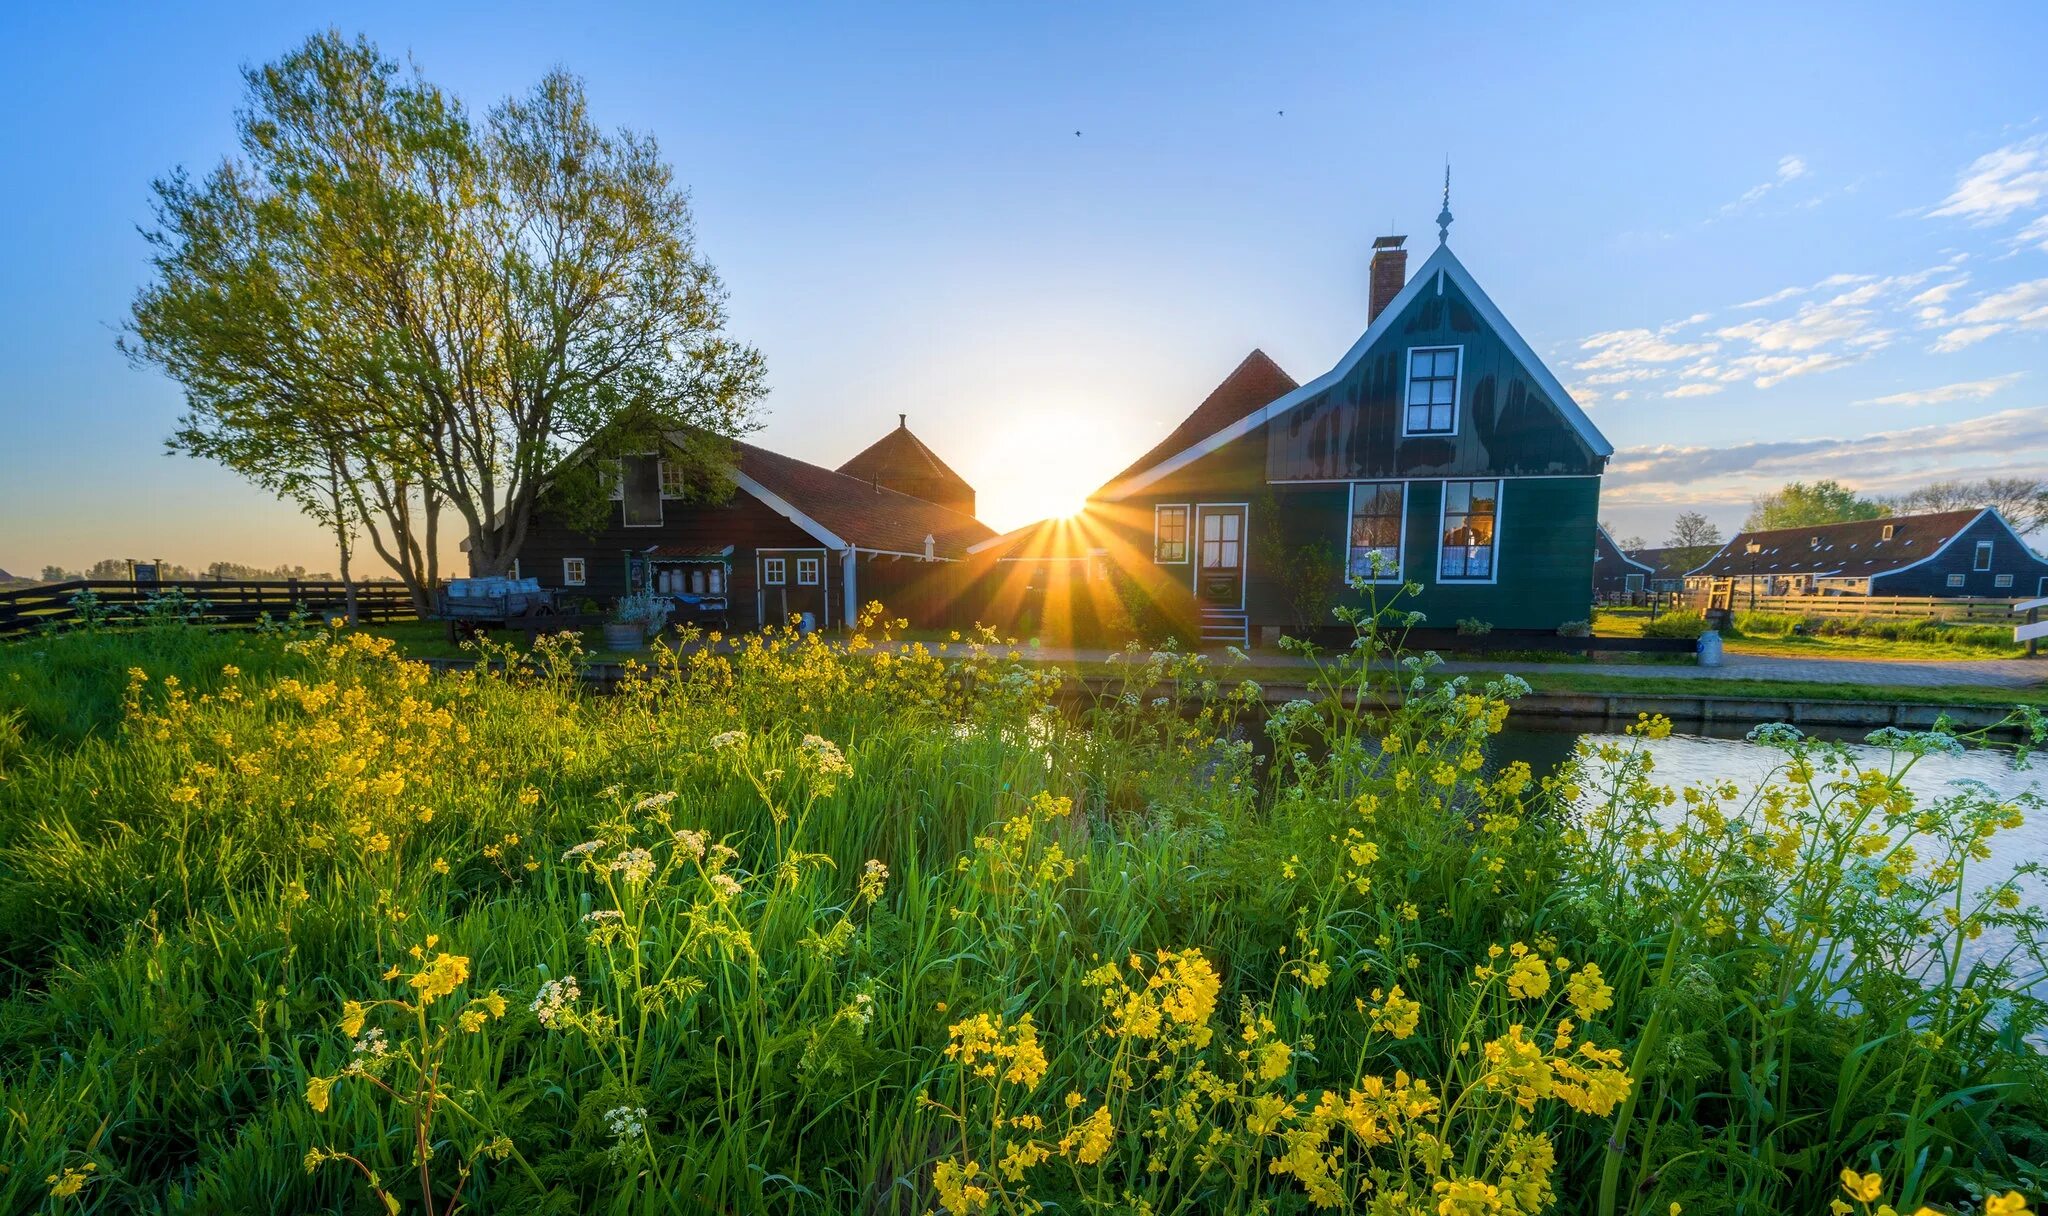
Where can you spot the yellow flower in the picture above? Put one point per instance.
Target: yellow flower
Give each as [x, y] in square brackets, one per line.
[71, 1181]
[1864, 1188]
[352, 1013]
[440, 977]
[1529, 978]
[955, 1185]
[1090, 1139]
[1397, 1016]
[2012, 1203]
[317, 1091]
[1588, 992]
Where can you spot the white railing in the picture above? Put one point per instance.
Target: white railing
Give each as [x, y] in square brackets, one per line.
[2035, 628]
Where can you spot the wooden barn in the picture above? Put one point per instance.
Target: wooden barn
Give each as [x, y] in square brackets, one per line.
[793, 540]
[1971, 553]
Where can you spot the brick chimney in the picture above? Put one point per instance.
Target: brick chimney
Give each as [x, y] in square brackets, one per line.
[1389, 273]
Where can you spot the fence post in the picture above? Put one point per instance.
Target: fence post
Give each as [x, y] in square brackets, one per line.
[2033, 644]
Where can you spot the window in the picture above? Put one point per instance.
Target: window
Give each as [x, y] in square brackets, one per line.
[2003, 580]
[572, 571]
[673, 483]
[1887, 533]
[1981, 560]
[1220, 538]
[772, 571]
[1169, 534]
[1632, 582]
[806, 571]
[1376, 511]
[1471, 511]
[642, 491]
[1432, 392]
[1955, 580]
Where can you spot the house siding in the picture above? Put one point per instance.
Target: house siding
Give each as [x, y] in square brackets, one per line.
[2009, 555]
[742, 522]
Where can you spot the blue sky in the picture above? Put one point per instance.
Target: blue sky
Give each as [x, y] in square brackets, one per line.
[1759, 242]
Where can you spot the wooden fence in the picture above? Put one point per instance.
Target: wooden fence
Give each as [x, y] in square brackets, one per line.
[1871, 607]
[27, 609]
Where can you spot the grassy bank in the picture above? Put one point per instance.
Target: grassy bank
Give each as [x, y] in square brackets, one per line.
[288, 925]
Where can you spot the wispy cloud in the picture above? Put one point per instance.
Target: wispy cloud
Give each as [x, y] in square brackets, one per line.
[2011, 441]
[2020, 306]
[1696, 389]
[1965, 390]
[1791, 168]
[2003, 183]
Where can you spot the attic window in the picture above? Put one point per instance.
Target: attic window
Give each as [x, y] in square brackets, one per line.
[1887, 533]
[1981, 560]
[1432, 391]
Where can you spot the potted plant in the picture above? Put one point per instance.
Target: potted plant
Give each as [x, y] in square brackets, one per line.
[635, 618]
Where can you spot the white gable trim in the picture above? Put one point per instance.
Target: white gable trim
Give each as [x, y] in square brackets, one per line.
[776, 503]
[1441, 263]
[1624, 556]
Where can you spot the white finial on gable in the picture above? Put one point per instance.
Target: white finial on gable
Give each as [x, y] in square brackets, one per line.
[930, 543]
[1443, 218]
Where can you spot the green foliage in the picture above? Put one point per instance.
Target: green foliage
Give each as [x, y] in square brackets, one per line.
[292, 925]
[1933, 630]
[1677, 624]
[1799, 504]
[1473, 627]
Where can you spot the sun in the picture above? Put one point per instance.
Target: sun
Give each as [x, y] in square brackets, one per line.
[1043, 464]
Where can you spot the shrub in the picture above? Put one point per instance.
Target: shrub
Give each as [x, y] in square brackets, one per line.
[1575, 629]
[1473, 627]
[1675, 625]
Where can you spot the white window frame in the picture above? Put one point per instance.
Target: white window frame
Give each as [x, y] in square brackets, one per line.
[774, 572]
[1980, 557]
[575, 571]
[1955, 580]
[2002, 580]
[1443, 504]
[1187, 533]
[1407, 385]
[813, 565]
[1401, 545]
[1889, 529]
[661, 472]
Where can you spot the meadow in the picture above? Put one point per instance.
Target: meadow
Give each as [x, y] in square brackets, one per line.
[289, 924]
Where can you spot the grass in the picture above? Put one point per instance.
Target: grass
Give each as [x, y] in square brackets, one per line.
[288, 924]
[1789, 636]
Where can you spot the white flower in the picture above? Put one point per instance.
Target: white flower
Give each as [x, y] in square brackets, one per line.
[557, 998]
[603, 916]
[727, 738]
[822, 757]
[655, 801]
[691, 844]
[636, 864]
[583, 850]
[372, 1043]
[725, 885]
[626, 1122]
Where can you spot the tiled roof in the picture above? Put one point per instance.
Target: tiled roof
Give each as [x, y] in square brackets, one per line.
[1857, 549]
[859, 512]
[1256, 382]
[900, 456]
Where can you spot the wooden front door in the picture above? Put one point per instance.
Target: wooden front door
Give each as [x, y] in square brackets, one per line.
[1219, 555]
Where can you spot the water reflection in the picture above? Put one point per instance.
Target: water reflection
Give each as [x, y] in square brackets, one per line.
[1692, 759]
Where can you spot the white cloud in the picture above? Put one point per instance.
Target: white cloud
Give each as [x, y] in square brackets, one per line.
[2021, 306]
[1790, 169]
[1965, 390]
[1695, 389]
[2000, 183]
[1618, 348]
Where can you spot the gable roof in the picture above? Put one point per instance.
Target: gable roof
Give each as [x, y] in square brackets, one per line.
[1671, 561]
[1857, 549]
[842, 511]
[1442, 263]
[901, 456]
[1254, 382]
[1619, 552]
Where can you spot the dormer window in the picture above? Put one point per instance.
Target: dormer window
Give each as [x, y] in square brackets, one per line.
[1887, 533]
[1432, 399]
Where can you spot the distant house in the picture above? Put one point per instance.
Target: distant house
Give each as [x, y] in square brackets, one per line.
[1440, 450]
[1668, 565]
[1947, 553]
[793, 538]
[1616, 575]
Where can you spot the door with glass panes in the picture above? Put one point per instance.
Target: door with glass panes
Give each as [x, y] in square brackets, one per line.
[1219, 555]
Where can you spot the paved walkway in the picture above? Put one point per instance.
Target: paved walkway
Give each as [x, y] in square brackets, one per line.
[1924, 673]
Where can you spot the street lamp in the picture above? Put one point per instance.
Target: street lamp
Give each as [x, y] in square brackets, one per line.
[1752, 548]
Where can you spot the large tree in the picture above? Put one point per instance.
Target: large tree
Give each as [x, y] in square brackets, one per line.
[1694, 537]
[1799, 504]
[438, 312]
[2022, 500]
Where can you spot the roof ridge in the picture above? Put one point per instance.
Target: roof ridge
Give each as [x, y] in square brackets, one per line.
[866, 486]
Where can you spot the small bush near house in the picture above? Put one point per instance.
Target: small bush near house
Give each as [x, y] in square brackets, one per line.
[1675, 625]
[1575, 629]
[1960, 635]
[1473, 627]
[295, 926]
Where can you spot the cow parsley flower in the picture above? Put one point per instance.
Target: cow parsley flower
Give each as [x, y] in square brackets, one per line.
[557, 1000]
[637, 865]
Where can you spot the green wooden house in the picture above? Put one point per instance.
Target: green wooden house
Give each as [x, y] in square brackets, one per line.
[1438, 451]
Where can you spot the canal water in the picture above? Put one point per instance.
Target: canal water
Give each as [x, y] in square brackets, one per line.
[1685, 759]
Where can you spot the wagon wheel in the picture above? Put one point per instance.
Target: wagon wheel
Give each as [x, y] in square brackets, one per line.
[541, 610]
